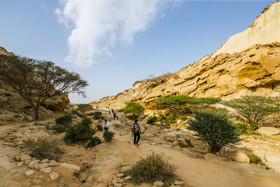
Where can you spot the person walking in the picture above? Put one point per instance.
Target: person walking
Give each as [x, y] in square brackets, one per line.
[117, 116]
[136, 130]
[106, 125]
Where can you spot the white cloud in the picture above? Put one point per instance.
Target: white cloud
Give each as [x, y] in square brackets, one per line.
[99, 24]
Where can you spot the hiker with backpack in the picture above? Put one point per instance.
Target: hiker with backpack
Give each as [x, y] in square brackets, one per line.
[106, 125]
[136, 130]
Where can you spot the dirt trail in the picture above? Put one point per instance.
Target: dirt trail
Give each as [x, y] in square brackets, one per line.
[105, 159]
[194, 172]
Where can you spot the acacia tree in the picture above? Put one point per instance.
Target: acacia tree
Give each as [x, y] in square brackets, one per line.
[36, 80]
[255, 108]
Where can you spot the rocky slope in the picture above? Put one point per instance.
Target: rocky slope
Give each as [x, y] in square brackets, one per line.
[14, 108]
[247, 64]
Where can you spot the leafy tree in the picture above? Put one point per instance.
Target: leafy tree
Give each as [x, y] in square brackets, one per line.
[255, 108]
[37, 80]
[133, 108]
[84, 107]
[215, 128]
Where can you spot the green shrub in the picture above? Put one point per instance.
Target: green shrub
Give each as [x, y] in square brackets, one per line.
[215, 128]
[81, 132]
[44, 148]
[96, 115]
[84, 107]
[242, 127]
[255, 108]
[59, 128]
[108, 136]
[94, 141]
[253, 126]
[64, 120]
[62, 123]
[99, 127]
[177, 103]
[255, 159]
[152, 119]
[151, 169]
[132, 108]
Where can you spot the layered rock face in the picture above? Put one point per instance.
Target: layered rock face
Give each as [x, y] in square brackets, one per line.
[14, 108]
[247, 64]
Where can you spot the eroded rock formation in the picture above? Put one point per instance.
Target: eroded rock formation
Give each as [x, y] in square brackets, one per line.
[247, 64]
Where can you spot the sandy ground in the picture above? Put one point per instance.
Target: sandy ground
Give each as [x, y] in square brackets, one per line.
[106, 158]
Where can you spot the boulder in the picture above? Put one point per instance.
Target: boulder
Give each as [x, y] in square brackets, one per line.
[268, 131]
[44, 165]
[240, 157]
[25, 157]
[179, 183]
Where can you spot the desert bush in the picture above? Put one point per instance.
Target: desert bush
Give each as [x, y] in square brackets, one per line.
[99, 127]
[96, 115]
[178, 103]
[242, 127]
[255, 108]
[94, 141]
[255, 159]
[44, 148]
[151, 169]
[81, 132]
[134, 109]
[215, 128]
[62, 123]
[84, 107]
[152, 119]
[108, 136]
[64, 120]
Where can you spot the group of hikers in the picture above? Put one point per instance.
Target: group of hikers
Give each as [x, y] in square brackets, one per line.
[115, 115]
[135, 127]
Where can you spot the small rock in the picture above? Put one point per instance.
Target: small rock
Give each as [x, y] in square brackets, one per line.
[46, 170]
[127, 178]
[44, 165]
[54, 176]
[241, 157]
[27, 162]
[72, 167]
[33, 163]
[29, 172]
[17, 157]
[45, 161]
[25, 157]
[118, 185]
[124, 164]
[82, 177]
[20, 164]
[125, 168]
[158, 184]
[120, 175]
[209, 156]
[180, 183]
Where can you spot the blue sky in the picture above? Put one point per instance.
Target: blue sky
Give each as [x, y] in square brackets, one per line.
[115, 43]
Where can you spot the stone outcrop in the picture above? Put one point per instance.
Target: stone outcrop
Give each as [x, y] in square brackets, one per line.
[247, 64]
[14, 108]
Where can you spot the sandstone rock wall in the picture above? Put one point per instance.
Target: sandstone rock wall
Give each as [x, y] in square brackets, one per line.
[247, 64]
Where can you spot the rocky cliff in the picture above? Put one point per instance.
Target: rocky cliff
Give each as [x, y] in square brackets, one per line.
[247, 64]
[14, 108]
